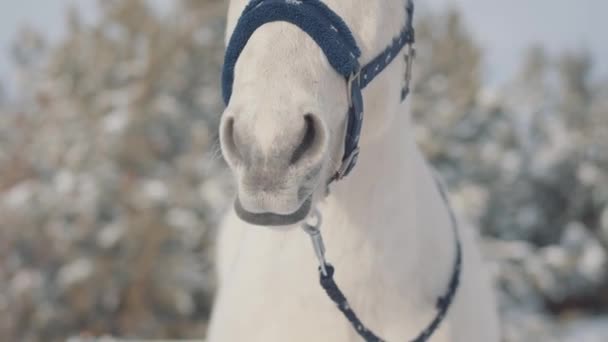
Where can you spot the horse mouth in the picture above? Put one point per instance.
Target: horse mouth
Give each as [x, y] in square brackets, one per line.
[272, 219]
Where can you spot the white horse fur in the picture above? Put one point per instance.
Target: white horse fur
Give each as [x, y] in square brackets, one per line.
[386, 228]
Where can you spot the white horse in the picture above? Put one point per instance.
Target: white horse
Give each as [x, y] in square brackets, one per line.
[386, 228]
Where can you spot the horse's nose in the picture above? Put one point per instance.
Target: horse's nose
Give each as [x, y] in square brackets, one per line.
[276, 165]
[293, 144]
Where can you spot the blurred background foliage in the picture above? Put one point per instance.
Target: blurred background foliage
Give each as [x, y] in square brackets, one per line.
[112, 184]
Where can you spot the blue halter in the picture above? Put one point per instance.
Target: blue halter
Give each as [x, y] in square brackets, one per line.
[336, 41]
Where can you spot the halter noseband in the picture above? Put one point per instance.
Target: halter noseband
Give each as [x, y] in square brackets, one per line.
[338, 44]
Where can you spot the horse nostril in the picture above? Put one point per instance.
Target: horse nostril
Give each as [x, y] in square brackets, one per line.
[229, 142]
[310, 140]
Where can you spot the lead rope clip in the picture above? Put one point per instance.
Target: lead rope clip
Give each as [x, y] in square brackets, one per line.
[409, 61]
[312, 229]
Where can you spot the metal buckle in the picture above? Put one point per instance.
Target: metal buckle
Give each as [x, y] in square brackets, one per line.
[409, 61]
[355, 76]
[348, 161]
[312, 229]
[347, 164]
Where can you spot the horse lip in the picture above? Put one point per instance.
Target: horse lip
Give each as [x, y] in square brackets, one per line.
[272, 219]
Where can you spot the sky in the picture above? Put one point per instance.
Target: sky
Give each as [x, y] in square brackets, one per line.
[504, 28]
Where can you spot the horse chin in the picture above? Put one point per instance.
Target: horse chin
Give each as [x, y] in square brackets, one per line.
[270, 219]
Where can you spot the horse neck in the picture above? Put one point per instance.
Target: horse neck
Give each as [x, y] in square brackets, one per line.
[391, 204]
